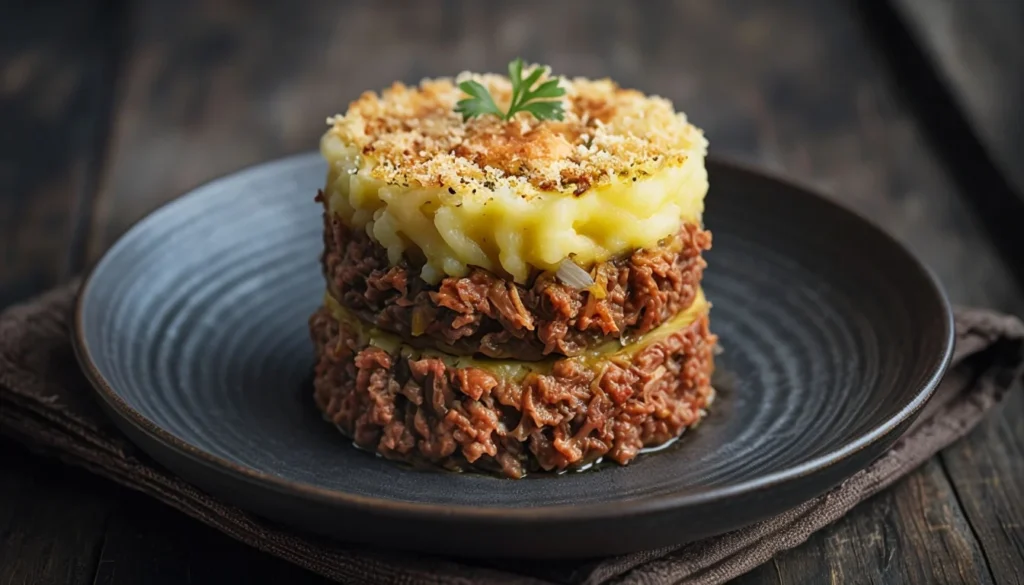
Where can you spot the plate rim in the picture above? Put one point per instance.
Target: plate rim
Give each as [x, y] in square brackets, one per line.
[116, 405]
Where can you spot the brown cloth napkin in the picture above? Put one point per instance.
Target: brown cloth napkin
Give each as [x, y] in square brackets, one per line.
[47, 404]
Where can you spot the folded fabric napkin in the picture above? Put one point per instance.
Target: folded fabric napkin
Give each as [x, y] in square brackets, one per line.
[46, 403]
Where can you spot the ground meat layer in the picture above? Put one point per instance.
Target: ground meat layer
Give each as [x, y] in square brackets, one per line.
[410, 407]
[482, 313]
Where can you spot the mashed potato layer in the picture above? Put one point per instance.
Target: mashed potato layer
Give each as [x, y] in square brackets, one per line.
[621, 171]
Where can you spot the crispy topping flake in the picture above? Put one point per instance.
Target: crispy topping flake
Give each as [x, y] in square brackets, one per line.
[414, 136]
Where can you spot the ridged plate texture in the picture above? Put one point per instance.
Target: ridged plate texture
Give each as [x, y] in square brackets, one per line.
[193, 328]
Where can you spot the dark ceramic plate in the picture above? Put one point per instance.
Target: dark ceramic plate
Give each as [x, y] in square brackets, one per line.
[193, 330]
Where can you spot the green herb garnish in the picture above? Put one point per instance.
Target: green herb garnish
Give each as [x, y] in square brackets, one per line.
[537, 101]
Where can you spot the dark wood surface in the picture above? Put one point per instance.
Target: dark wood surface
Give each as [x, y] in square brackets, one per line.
[109, 109]
[977, 48]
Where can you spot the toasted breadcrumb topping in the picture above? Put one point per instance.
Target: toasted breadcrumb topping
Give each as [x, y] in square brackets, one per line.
[412, 136]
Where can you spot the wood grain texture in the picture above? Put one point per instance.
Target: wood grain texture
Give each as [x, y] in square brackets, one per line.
[954, 141]
[208, 88]
[149, 543]
[978, 48]
[211, 88]
[987, 474]
[51, 520]
[880, 541]
[57, 60]
[980, 465]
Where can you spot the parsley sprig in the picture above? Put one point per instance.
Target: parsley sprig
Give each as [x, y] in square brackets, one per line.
[538, 102]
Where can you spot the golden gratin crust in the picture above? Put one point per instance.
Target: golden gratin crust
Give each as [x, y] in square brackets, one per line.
[412, 136]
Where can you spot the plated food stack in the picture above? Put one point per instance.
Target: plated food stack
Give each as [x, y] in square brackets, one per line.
[513, 271]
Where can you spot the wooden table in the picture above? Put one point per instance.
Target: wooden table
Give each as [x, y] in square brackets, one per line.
[907, 110]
